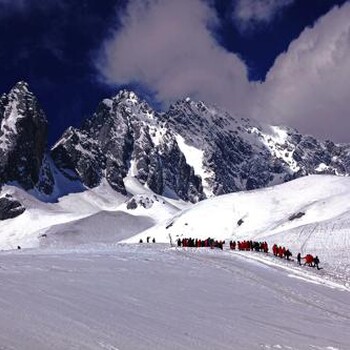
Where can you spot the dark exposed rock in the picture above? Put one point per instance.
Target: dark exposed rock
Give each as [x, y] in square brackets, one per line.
[10, 208]
[23, 137]
[118, 139]
[296, 216]
[131, 204]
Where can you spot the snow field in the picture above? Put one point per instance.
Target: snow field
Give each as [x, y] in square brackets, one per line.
[138, 297]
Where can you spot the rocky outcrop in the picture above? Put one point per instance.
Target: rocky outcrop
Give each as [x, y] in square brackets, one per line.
[124, 138]
[10, 208]
[23, 137]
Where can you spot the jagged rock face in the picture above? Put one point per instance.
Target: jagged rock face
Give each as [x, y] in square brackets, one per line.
[122, 139]
[241, 154]
[46, 182]
[233, 156]
[23, 137]
[192, 151]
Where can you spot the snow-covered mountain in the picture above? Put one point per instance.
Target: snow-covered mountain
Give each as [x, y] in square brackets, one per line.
[130, 173]
[192, 151]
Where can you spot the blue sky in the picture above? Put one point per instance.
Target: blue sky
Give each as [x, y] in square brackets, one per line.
[279, 61]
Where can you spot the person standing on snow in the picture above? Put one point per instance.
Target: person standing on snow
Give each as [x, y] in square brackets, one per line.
[299, 258]
[316, 262]
[309, 259]
[288, 254]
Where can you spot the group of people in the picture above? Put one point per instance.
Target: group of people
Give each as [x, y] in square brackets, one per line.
[309, 260]
[200, 243]
[281, 252]
[278, 251]
[250, 245]
[148, 239]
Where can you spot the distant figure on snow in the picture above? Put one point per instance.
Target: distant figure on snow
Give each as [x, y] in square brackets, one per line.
[288, 254]
[299, 258]
[316, 262]
[18, 247]
[153, 240]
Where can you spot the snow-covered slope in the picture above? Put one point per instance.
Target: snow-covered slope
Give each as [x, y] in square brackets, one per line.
[310, 215]
[142, 297]
[98, 215]
[259, 213]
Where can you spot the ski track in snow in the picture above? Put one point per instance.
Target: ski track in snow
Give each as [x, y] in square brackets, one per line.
[131, 297]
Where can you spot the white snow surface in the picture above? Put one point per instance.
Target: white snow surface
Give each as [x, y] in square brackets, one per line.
[79, 289]
[322, 229]
[264, 211]
[98, 215]
[138, 297]
[194, 158]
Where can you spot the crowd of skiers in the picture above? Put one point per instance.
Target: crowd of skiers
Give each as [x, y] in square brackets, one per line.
[250, 245]
[200, 243]
[277, 251]
[281, 252]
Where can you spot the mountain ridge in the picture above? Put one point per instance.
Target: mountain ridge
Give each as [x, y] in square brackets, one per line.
[191, 152]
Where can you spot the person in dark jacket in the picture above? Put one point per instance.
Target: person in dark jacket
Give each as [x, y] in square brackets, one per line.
[299, 258]
[316, 262]
[288, 254]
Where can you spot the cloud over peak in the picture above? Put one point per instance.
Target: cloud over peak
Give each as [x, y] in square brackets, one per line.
[168, 47]
[309, 86]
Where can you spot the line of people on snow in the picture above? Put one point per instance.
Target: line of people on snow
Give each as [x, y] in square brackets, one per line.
[148, 240]
[200, 243]
[250, 245]
[277, 251]
[281, 252]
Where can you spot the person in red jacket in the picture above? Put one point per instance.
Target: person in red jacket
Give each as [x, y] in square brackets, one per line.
[280, 252]
[309, 259]
[274, 249]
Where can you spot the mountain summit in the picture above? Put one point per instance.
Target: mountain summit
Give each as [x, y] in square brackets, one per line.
[192, 151]
[23, 137]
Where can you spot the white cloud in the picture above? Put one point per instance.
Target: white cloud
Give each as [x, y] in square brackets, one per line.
[167, 46]
[248, 13]
[309, 85]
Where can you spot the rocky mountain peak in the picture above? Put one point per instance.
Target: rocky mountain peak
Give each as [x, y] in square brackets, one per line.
[192, 151]
[126, 96]
[23, 136]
